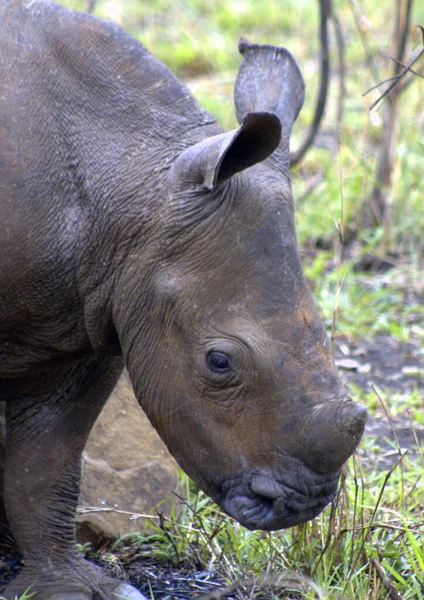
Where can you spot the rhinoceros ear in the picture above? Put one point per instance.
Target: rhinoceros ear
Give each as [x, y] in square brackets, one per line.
[270, 80]
[214, 160]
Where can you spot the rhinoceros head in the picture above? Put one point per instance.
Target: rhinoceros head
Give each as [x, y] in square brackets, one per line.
[231, 361]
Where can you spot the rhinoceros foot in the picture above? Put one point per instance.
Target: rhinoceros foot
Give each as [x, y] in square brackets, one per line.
[88, 583]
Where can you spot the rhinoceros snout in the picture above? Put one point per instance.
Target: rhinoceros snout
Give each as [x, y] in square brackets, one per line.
[262, 501]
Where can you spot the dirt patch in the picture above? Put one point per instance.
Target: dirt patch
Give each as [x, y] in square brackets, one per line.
[386, 367]
[383, 362]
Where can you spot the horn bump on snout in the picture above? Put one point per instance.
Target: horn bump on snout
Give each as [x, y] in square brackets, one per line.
[336, 428]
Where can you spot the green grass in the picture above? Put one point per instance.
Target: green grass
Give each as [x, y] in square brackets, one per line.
[376, 516]
[367, 304]
[378, 513]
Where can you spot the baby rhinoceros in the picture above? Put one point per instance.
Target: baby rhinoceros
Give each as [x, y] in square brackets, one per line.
[135, 231]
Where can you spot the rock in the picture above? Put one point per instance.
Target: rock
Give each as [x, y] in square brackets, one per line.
[126, 470]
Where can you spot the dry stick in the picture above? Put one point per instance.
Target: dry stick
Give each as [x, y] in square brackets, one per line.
[325, 10]
[355, 506]
[396, 78]
[386, 579]
[414, 433]
[338, 31]
[358, 16]
[368, 528]
[405, 67]
[398, 448]
[388, 526]
[87, 510]
[340, 230]
[388, 417]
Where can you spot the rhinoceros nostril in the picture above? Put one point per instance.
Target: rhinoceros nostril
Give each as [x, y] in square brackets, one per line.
[266, 487]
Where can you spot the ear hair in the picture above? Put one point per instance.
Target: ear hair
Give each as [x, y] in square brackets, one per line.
[214, 160]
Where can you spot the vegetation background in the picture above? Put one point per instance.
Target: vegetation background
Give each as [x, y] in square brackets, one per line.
[370, 543]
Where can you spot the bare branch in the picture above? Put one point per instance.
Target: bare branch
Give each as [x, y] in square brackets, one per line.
[363, 28]
[395, 80]
[325, 11]
[377, 85]
[406, 67]
[386, 579]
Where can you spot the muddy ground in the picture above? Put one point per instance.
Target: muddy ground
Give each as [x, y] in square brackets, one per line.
[382, 362]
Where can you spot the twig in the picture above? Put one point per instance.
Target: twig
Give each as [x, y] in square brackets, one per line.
[396, 78]
[340, 231]
[386, 579]
[88, 510]
[388, 526]
[399, 449]
[386, 412]
[404, 67]
[414, 433]
[338, 31]
[377, 85]
[363, 34]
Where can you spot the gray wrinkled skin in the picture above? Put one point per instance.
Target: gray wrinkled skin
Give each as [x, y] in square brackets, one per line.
[134, 230]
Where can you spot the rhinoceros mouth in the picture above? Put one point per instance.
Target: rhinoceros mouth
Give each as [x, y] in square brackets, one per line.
[259, 501]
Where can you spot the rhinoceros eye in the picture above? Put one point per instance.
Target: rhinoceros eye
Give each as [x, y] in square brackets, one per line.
[218, 362]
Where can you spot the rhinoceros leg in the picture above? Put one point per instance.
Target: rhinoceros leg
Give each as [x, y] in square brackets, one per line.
[46, 434]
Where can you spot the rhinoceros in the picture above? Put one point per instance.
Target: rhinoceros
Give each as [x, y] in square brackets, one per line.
[135, 231]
